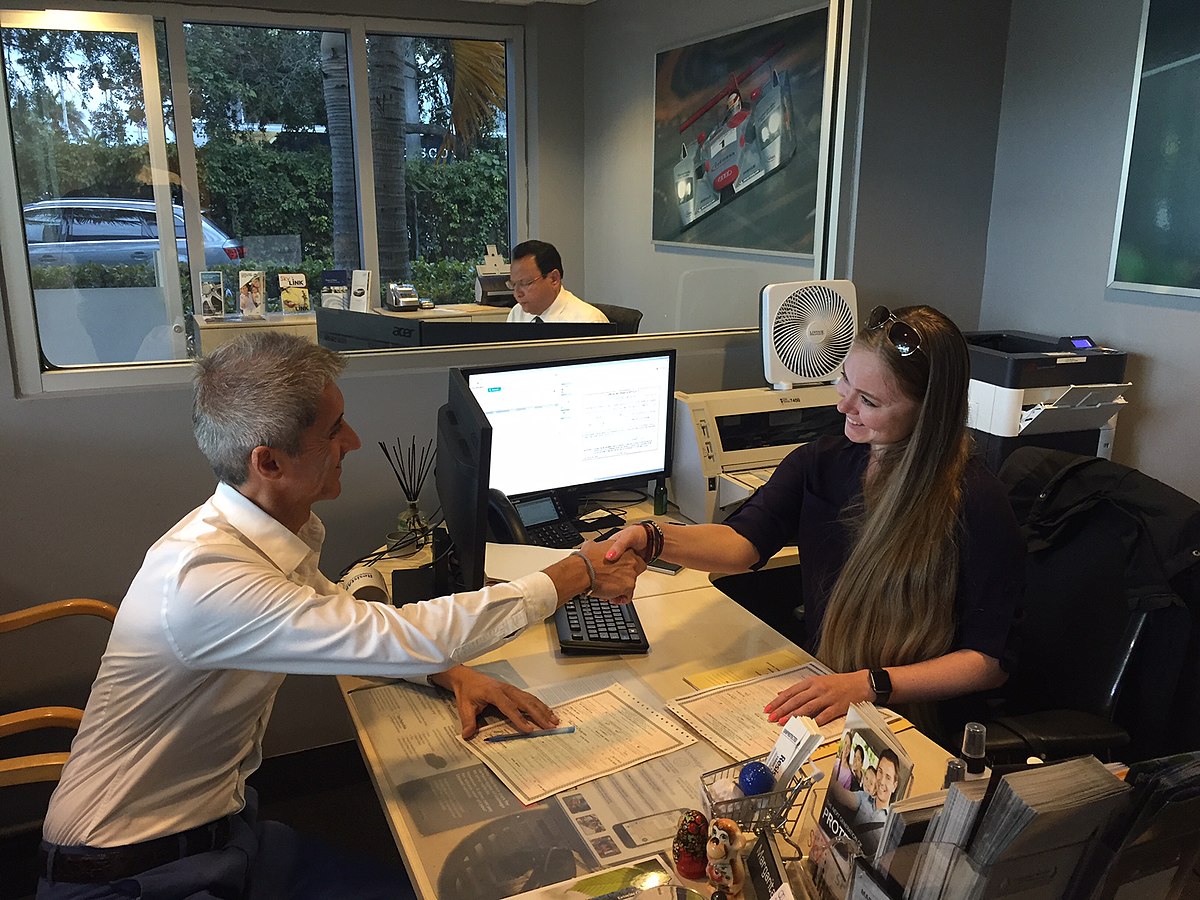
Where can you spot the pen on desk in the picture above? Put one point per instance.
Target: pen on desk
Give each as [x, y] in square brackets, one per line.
[497, 738]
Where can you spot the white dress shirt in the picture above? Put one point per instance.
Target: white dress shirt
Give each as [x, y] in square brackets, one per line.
[565, 308]
[224, 602]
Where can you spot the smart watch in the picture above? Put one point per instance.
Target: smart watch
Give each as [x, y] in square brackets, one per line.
[881, 684]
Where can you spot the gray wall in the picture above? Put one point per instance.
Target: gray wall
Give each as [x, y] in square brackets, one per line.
[930, 115]
[1067, 90]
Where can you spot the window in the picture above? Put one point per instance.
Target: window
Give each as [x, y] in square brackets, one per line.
[284, 170]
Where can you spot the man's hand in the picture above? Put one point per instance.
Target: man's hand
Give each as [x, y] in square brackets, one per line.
[474, 692]
[823, 697]
[614, 581]
[615, 577]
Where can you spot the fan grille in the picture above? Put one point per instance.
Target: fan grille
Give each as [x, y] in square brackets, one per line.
[813, 331]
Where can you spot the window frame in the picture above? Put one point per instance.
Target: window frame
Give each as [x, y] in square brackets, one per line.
[31, 379]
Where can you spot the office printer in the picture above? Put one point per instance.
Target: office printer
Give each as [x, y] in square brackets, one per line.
[1062, 393]
[491, 280]
[728, 443]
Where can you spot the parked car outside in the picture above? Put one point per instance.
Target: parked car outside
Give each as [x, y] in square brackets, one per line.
[112, 232]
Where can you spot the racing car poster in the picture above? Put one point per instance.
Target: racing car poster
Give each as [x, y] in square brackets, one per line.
[737, 137]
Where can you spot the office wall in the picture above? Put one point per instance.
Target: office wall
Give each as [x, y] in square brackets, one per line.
[930, 114]
[1067, 90]
[677, 288]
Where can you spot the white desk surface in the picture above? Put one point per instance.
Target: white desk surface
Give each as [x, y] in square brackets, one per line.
[451, 818]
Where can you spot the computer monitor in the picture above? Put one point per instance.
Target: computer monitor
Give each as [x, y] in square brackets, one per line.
[346, 329]
[461, 473]
[434, 333]
[578, 424]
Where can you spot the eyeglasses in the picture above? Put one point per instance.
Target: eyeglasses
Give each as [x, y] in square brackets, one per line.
[905, 338]
[522, 285]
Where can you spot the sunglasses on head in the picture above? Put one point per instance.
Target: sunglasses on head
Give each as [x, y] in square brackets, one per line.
[905, 338]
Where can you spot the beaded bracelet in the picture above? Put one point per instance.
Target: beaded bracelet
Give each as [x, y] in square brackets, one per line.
[655, 540]
[591, 570]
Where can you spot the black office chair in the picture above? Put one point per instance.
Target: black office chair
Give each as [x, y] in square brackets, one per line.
[626, 318]
[1105, 630]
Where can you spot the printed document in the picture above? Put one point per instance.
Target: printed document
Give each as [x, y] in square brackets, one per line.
[614, 730]
[731, 716]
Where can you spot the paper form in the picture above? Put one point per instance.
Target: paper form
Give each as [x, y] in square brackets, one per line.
[731, 716]
[759, 665]
[614, 730]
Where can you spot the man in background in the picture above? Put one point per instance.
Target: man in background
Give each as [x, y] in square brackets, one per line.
[153, 800]
[536, 283]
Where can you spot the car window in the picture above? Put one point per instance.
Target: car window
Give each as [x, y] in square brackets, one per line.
[152, 227]
[108, 225]
[43, 226]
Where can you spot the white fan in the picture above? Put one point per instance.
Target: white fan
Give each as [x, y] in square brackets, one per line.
[807, 330]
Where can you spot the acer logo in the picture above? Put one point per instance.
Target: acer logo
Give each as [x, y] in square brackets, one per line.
[401, 331]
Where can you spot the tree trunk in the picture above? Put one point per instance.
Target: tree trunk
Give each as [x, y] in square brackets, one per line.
[386, 82]
[336, 81]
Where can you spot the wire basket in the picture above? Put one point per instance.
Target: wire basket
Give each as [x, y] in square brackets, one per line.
[777, 810]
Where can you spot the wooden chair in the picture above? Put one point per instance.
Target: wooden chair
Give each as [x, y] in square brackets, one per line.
[43, 766]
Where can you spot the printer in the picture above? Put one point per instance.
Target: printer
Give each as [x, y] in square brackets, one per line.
[491, 280]
[1062, 393]
[728, 443]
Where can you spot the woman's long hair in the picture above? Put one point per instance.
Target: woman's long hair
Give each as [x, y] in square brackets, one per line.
[893, 602]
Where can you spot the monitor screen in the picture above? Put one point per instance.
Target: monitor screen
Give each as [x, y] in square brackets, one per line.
[581, 423]
[345, 329]
[464, 441]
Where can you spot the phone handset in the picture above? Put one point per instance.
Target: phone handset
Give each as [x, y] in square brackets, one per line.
[504, 522]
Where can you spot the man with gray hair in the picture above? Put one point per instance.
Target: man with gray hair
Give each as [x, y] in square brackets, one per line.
[153, 799]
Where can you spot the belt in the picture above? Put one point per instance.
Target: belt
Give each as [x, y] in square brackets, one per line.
[97, 865]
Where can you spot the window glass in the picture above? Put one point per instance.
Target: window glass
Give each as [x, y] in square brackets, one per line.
[101, 223]
[80, 131]
[439, 112]
[275, 156]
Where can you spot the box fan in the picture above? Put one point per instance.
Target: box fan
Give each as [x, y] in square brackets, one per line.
[807, 330]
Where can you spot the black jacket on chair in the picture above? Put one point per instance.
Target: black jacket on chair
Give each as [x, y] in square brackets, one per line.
[1112, 597]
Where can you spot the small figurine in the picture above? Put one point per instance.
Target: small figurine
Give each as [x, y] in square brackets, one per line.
[726, 871]
[688, 848]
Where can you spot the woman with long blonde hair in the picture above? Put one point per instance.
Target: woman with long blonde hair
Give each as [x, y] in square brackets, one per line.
[911, 560]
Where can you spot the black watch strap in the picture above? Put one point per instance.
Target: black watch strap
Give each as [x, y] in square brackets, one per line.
[881, 684]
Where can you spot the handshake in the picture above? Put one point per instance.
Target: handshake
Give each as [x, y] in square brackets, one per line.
[608, 569]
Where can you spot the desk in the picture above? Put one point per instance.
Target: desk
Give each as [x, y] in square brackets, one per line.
[211, 335]
[463, 835]
[453, 312]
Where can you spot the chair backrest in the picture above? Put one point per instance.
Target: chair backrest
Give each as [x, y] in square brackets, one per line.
[1104, 630]
[30, 768]
[626, 318]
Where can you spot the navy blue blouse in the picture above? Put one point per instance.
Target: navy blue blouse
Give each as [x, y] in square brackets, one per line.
[804, 503]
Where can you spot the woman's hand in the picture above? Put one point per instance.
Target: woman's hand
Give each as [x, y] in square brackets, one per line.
[822, 697]
[631, 537]
[474, 692]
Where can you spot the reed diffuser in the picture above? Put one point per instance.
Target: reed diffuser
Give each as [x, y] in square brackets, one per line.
[411, 471]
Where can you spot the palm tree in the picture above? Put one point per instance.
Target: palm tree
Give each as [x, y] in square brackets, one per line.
[475, 76]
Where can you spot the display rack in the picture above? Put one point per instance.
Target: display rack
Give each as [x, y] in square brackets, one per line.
[779, 810]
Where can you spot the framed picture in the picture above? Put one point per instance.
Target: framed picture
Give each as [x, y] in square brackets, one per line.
[737, 137]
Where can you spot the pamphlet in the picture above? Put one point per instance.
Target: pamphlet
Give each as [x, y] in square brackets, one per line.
[335, 289]
[360, 290]
[212, 294]
[252, 293]
[293, 292]
[871, 772]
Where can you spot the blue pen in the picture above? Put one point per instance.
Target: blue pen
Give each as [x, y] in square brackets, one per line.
[497, 738]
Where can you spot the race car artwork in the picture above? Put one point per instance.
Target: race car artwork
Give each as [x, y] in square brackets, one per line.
[754, 138]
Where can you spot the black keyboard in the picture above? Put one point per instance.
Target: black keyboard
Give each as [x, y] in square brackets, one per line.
[597, 626]
[559, 533]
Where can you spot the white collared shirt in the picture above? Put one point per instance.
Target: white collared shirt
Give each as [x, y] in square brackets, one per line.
[226, 601]
[565, 308]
